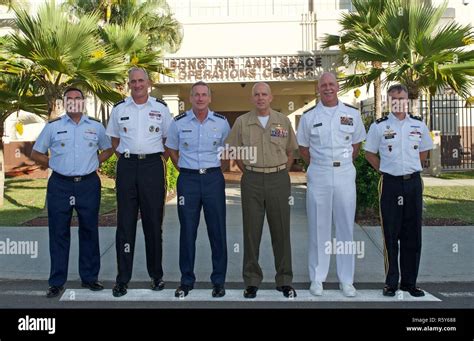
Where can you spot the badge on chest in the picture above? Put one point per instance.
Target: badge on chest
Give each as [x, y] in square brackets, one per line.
[347, 121]
[389, 134]
[278, 131]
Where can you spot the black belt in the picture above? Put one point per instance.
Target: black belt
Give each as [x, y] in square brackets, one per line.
[402, 177]
[77, 178]
[141, 156]
[200, 171]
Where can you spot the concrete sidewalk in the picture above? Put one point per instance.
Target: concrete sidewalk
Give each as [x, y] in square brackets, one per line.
[447, 251]
[432, 181]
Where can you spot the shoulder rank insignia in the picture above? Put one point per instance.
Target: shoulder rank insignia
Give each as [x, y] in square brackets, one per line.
[54, 120]
[304, 112]
[416, 117]
[162, 102]
[118, 103]
[350, 106]
[180, 116]
[94, 119]
[381, 119]
[220, 116]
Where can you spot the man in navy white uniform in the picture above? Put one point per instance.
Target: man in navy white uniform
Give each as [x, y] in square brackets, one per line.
[138, 127]
[403, 142]
[194, 141]
[73, 141]
[329, 136]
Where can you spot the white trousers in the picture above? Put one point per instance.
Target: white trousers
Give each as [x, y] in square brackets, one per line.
[330, 199]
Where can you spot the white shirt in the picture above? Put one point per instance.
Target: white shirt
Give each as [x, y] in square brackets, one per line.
[141, 128]
[330, 133]
[263, 120]
[399, 143]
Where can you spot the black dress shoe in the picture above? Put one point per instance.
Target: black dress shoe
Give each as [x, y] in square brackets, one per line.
[218, 291]
[183, 291]
[389, 291]
[94, 286]
[157, 284]
[119, 289]
[414, 291]
[288, 291]
[250, 292]
[54, 291]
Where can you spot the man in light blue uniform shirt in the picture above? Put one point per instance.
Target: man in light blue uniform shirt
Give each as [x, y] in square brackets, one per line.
[194, 141]
[73, 140]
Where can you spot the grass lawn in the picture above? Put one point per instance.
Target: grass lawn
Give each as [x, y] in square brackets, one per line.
[25, 198]
[450, 202]
[457, 175]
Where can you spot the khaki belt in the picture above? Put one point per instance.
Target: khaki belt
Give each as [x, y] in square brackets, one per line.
[266, 170]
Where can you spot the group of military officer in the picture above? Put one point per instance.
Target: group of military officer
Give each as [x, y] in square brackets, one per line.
[143, 135]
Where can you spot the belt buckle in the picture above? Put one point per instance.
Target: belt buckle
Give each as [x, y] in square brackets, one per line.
[202, 170]
[77, 178]
[336, 164]
[406, 177]
[141, 156]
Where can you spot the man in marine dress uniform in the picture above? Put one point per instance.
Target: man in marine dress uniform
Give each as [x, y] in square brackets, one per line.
[329, 136]
[266, 188]
[403, 142]
[138, 127]
[73, 141]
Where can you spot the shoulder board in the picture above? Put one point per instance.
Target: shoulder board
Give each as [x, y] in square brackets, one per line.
[220, 116]
[381, 119]
[94, 119]
[162, 102]
[416, 117]
[180, 116]
[304, 112]
[350, 106]
[54, 120]
[118, 103]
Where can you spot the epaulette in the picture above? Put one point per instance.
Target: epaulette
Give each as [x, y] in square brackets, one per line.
[416, 117]
[118, 103]
[381, 119]
[54, 120]
[304, 112]
[351, 106]
[180, 116]
[162, 102]
[94, 119]
[220, 116]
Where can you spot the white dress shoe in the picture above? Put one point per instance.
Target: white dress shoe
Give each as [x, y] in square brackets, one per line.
[316, 288]
[347, 289]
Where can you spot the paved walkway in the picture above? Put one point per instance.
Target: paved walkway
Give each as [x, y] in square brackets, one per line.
[447, 251]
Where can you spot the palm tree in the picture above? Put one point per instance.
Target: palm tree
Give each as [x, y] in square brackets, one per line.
[355, 25]
[56, 52]
[155, 19]
[415, 50]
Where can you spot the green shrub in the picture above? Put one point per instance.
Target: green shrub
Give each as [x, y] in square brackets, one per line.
[108, 168]
[171, 175]
[367, 185]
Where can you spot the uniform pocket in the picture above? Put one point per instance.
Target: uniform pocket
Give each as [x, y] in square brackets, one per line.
[315, 136]
[60, 143]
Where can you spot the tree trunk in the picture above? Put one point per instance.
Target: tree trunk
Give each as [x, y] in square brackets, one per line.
[377, 92]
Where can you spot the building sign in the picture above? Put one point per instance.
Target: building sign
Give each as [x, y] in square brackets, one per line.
[243, 69]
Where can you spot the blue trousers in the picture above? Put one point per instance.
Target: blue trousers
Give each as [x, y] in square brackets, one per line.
[196, 191]
[84, 196]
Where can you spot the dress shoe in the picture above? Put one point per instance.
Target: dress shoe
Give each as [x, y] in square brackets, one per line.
[183, 291]
[218, 291]
[250, 292]
[54, 291]
[94, 286]
[389, 291]
[287, 290]
[414, 291]
[348, 290]
[316, 288]
[119, 289]
[157, 284]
